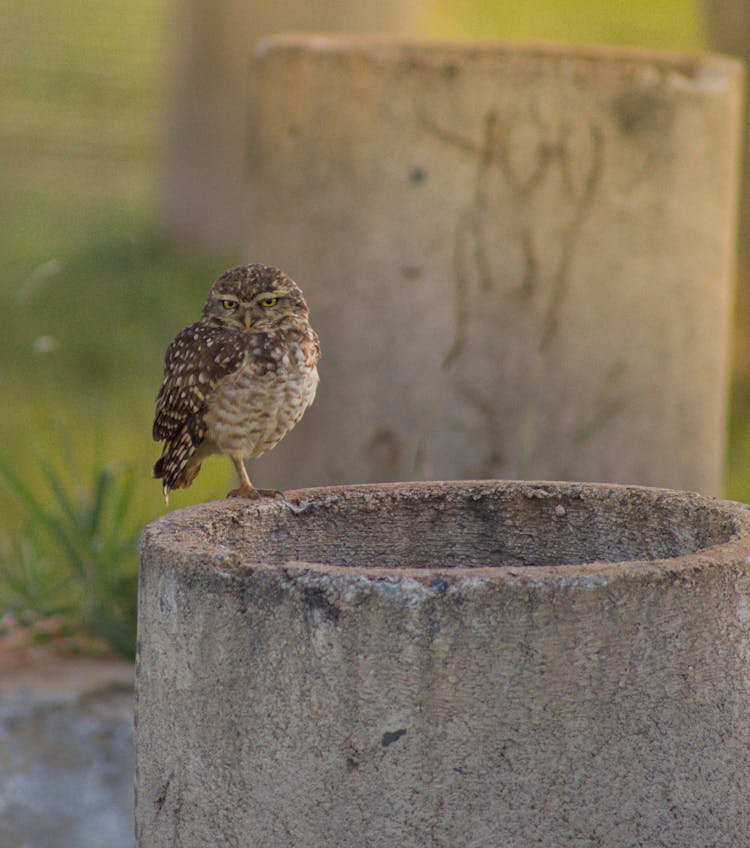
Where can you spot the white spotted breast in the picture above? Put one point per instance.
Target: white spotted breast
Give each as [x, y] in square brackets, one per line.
[253, 408]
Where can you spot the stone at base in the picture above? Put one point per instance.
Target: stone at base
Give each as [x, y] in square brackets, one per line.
[66, 754]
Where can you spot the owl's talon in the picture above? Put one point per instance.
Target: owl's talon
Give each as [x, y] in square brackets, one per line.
[243, 491]
[271, 493]
[254, 494]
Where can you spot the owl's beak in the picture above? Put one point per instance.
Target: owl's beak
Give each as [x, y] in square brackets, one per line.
[248, 321]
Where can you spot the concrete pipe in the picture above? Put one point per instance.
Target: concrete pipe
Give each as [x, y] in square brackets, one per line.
[519, 259]
[446, 664]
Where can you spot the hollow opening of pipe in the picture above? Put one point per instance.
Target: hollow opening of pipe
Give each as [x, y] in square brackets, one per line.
[477, 525]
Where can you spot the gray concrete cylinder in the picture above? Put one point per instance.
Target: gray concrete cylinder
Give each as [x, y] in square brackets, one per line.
[728, 25]
[469, 664]
[519, 259]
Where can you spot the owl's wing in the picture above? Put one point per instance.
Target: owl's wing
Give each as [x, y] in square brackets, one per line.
[196, 360]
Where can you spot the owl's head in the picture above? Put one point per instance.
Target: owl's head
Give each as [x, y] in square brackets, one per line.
[256, 298]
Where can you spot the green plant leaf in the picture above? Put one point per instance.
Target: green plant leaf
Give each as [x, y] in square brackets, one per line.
[77, 555]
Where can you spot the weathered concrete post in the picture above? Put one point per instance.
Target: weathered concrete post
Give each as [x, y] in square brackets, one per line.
[728, 24]
[205, 183]
[519, 259]
[473, 664]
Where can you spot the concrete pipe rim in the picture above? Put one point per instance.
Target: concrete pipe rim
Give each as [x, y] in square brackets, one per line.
[486, 530]
[701, 68]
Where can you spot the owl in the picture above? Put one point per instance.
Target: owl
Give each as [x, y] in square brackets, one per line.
[238, 380]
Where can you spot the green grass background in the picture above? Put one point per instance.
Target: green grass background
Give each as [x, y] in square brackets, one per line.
[92, 291]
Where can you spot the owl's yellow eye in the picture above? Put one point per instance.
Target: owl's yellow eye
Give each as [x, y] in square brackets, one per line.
[269, 301]
[229, 304]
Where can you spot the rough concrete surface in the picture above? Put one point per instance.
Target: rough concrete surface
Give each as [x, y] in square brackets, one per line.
[728, 29]
[519, 258]
[66, 755]
[474, 664]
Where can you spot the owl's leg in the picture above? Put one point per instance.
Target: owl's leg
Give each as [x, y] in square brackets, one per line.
[246, 488]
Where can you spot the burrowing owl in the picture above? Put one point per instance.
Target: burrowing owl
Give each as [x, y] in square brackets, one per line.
[238, 380]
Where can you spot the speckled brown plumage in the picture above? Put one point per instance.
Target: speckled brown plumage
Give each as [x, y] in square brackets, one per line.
[239, 379]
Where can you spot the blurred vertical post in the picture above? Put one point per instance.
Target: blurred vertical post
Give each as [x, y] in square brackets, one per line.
[519, 259]
[728, 23]
[204, 185]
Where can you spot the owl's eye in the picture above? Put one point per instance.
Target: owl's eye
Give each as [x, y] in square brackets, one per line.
[269, 301]
[229, 304]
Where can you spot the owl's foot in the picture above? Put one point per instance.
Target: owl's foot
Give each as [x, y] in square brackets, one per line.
[250, 492]
[271, 493]
[246, 488]
[244, 492]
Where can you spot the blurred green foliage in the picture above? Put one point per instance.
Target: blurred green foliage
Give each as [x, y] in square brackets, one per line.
[77, 558]
[666, 24]
[92, 292]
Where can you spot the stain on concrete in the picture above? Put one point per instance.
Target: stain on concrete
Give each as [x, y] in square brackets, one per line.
[642, 112]
[392, 736]
[383, 450]
[316, 599]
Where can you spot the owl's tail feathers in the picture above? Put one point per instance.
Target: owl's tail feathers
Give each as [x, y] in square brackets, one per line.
[158, 473]
[175, 470]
